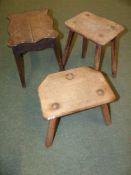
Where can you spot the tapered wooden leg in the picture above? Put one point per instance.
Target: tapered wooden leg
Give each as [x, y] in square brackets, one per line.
[98, 57]
[84, 47]
[20, 66]
[52, 126]
[114, 56]
[68, 47]
[106, 114]
[58, 53]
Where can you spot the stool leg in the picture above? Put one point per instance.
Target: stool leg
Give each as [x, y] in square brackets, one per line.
[84, 47]
[98, 56]
[20, 66]
[52, 126]
[68, 47]
[106, 114]
[114, 57]
[58, 54]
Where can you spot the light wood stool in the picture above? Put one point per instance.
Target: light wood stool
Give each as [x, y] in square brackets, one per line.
[32, 31]
[72, 91]
[97, 29]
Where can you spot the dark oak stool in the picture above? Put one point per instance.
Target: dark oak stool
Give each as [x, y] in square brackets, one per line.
[97, 29]
[72, 91]
[32, 31]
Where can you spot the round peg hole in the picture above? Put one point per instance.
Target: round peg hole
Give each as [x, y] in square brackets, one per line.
[87, 14]
[113, 27]
[101, 35]
[69, 76]
[55, 106]
[100, 92]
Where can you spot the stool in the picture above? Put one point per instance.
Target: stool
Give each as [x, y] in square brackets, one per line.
[32, 31]
[97, 29]
[71, 91]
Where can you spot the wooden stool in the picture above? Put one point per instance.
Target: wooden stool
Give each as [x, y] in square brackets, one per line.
[72, 91]
[32, 31]
[97, 29]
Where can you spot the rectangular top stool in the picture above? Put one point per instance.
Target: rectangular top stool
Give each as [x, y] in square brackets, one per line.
[71, 91]
[97, 29]
[32, 31]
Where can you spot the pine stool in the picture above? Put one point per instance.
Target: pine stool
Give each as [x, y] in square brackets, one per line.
[32, 31]
[72, 91]
[97, 29]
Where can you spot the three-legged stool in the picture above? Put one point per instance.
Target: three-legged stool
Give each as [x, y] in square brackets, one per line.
[32, 31]
[71, 91]
[97, 29]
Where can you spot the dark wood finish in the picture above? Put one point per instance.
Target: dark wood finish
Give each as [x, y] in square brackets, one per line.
[52, 127]
[32, 31]
[68, 46]
[84, 47]
[58, 54]
[98, 56]
[106, 114]
[20, 66]
[114, 59]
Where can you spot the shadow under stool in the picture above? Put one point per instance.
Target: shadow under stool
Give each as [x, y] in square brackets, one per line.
[71, 91]
[97, 29]
[32, 31]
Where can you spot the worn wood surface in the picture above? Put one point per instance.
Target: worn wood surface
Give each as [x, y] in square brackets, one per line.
[30, 27]
[73, 90]
[98, 29]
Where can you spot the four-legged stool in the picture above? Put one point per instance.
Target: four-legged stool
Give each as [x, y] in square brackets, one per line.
[32, 31]
[72, 91]
[97, 29]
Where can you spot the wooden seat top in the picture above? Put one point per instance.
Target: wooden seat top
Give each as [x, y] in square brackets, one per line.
[72, 91]
[30, 27]
[98, 29]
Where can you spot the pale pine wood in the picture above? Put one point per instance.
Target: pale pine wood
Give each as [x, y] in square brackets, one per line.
[72, 91]
[95, 28]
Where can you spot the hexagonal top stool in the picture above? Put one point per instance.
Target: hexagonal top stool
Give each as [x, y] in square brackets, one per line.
[32, 31]
[97, 29]
[71, 91]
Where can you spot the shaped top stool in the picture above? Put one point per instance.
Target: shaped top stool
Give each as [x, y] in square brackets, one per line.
[97, 29]
[32, 31]
[71, 91]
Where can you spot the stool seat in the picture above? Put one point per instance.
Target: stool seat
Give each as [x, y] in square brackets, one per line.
[72, 91]
[30, 27]
[95, 28]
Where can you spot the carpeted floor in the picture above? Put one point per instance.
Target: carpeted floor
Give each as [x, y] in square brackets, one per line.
[83, 144]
